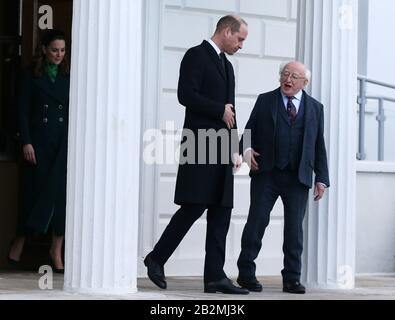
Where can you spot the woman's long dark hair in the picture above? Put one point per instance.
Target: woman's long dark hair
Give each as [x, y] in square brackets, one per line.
[39, 59]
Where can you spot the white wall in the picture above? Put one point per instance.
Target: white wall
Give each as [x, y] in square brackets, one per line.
[377, 61]
[375, 222]
[375, 201]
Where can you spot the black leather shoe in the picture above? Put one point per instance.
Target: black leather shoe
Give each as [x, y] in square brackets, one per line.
[155, 272]
[224, 286]
[56, 270]
[13, 262]
[251, 284]
[53, 266]
[294, 287]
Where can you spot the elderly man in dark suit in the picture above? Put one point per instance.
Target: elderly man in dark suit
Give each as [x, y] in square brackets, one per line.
[207, 90]
[286, 132]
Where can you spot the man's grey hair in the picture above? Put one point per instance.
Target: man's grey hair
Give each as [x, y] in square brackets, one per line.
[307, 72]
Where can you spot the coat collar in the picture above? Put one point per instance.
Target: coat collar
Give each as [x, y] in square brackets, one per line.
[274, 104]
[214, 56]
[308, 107]
[58, 90]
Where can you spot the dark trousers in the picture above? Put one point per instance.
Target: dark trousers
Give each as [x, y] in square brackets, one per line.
[218, 220]
[265, 190]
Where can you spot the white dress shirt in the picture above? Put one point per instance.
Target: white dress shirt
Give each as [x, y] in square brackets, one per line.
[217, 50]
[296, 101]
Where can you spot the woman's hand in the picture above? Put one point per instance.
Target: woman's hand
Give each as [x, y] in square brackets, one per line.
[28, 154]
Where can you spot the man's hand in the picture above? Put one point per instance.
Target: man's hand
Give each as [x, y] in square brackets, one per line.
[319, 191]
[250, 157]
[29, 154]
[229, 116]
[236, 159]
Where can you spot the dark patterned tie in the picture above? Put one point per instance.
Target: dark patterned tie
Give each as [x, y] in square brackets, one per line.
[291, 109]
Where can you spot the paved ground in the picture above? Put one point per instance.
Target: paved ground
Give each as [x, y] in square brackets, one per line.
[24, 286]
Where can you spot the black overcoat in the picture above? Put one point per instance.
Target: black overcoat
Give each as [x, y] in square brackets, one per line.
[204, 88]
[43, 122]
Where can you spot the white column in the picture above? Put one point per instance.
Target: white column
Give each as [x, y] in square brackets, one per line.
[327, 43]
[104, 147]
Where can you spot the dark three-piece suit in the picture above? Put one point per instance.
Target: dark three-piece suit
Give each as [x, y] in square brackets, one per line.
[289, 153]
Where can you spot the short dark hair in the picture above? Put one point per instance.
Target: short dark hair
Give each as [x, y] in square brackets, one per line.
[230, 21]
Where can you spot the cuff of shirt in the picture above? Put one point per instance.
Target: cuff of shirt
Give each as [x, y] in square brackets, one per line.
[245, 151]
[322, 184]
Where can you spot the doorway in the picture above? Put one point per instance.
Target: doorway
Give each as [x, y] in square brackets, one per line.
[21, 25]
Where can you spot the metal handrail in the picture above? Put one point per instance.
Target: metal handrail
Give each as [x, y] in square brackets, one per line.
[362, 98]
[379, 83]
[380, 97]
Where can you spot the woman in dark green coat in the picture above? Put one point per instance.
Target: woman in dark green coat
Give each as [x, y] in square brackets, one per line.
[43, 122]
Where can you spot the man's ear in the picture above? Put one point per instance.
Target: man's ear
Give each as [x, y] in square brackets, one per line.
[228, 32]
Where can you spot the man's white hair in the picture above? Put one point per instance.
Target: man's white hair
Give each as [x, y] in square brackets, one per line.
[307, 72]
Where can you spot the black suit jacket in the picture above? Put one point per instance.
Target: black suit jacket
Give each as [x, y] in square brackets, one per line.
[204, 89]
[262, 123]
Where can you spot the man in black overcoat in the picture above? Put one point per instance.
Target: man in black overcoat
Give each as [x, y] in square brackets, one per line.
[206, 89]
[286, 132]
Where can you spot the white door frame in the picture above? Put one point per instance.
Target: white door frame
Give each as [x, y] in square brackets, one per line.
[148, 226]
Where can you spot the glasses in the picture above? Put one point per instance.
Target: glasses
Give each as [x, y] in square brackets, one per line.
[294, 76]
